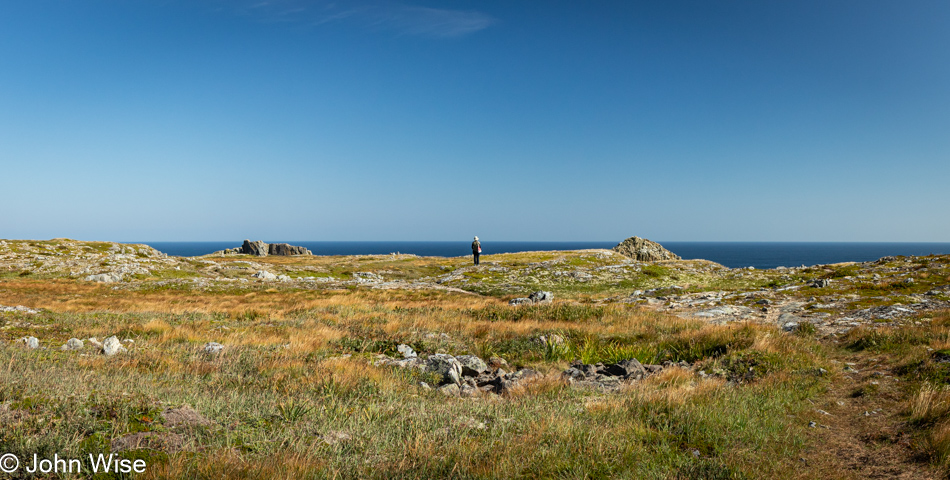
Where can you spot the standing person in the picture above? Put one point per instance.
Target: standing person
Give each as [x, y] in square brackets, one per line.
[476, 250]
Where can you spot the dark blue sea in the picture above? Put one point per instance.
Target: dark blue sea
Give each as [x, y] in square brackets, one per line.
[730, 254]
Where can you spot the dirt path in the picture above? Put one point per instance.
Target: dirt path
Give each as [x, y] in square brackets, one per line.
[861, 431]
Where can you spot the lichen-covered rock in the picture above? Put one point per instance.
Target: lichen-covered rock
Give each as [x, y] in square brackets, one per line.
[644, 250]
[447, 366]
[472, 366]
[30, 342]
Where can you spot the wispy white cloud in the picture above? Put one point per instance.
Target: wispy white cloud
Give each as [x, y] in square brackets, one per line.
[400, 18]
[430, 22]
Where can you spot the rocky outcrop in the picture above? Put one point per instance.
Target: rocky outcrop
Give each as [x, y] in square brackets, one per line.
[263, 249]
[258, 248]
[286, 249]
[644, 250]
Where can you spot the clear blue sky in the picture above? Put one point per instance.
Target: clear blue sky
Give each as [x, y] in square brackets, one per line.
[376, 120]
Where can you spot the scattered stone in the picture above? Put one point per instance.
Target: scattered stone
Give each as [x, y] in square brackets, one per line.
[112, 346]
[104, 278]
[18, 308]
[465, 375]
[72, 344]
[644, 250]
[265, 275]
[533, 299]
[790, 322]
[608, 376]
[30, 342]
[450, 390]
[411, 362]
[212, 348]
[406, 351]
[466, 391]
[367, 277]
[541, 297]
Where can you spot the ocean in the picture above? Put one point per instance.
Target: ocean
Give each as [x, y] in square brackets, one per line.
[730, 254]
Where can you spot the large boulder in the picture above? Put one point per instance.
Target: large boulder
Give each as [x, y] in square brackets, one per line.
[644, 250]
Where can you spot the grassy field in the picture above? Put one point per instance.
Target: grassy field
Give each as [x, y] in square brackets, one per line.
[296, 393]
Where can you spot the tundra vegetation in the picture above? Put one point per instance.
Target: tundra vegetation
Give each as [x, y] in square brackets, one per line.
[836, 371]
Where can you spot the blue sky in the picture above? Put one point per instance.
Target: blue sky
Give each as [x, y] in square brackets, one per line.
[370, 120]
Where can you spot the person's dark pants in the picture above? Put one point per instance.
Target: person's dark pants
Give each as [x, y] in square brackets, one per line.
[475, 254]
